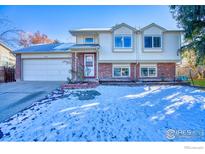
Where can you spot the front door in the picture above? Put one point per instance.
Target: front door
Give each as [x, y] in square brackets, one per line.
[89, 65]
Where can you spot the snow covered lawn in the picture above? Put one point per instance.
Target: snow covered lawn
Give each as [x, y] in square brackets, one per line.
[112, 113]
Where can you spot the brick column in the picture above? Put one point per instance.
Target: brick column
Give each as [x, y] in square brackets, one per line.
[18, 67]
[132, 71]
[137, 71]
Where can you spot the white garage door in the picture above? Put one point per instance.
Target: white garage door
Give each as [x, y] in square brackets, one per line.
[46, 69]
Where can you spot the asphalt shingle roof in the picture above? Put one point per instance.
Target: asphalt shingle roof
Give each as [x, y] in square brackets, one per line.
[55, 47]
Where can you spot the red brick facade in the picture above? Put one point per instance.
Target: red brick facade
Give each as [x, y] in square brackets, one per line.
[132, 71]
[166, 70]
[104, 70]
[78, 65]
[137, 71]
[18, 67]
[73, 66]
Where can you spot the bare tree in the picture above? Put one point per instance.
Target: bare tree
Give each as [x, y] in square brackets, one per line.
[9, 34]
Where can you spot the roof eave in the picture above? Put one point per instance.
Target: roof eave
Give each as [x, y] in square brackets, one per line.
[5, 46]
[22, 52]
[85, 48]
[77, 32]
[180, 31]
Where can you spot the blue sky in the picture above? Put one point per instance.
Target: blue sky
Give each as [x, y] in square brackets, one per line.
[56, 21]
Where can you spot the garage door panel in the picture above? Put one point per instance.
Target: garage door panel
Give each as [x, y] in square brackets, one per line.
[46, 70]
[33, 78]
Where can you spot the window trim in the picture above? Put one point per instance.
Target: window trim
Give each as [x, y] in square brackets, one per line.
[160, 36]
[123, 35]
[148, 66]
[89, 42]
[120, 66]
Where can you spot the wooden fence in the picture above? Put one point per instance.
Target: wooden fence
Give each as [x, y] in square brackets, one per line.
[7, 74]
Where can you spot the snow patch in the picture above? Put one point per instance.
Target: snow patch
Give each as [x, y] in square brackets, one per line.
[120, 113]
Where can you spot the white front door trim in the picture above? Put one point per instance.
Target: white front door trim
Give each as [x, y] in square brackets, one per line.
[89, 71]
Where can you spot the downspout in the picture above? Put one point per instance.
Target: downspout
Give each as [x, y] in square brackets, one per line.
[75, 66]
[135, 65]
[97, 58]
[136, 61]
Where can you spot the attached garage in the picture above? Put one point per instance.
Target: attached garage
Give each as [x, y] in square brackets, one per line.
[46, 69]
[46, 62]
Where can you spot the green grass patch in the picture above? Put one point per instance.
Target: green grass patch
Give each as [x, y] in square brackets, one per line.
[199, 82]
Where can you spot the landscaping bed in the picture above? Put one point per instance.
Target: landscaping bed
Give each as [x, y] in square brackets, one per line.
[84, 85]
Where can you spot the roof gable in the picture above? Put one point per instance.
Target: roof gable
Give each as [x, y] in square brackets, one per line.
[123, 25]
[153, 25]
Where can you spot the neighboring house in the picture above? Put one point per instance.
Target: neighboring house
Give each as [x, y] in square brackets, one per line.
[7, 58]
[121, 53]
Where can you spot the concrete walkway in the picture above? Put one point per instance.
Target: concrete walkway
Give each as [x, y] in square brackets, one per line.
[16, 96]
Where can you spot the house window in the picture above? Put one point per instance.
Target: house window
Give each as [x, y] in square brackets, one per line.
[127, 42]
[123, 42]
[148, 71]
[156, 42]
[121, 71]
[152, 42]
[89, 40]
[148, 42]
[118, 42]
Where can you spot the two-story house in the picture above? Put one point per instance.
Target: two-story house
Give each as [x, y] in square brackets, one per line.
[7, 58]
[121, 52]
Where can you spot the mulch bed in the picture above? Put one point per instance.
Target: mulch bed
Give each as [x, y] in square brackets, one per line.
[80, 85]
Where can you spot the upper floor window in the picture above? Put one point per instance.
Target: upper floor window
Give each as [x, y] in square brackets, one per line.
[152, 42]
[89, 40]
[123, 42]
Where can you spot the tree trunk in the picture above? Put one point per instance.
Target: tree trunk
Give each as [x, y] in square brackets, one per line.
[191, 77]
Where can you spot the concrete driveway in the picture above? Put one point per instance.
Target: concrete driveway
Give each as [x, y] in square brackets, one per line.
[16, 96]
